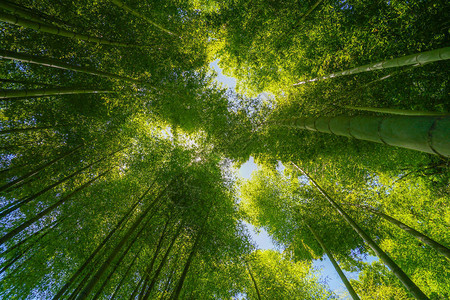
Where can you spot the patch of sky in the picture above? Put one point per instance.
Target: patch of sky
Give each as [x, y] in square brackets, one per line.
[280, 167]
[226, 81]
[167, 133]
[246, 169]
[230, 84]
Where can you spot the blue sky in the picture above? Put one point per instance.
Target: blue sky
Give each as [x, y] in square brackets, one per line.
[229, 82]
[262, 238]
[263, 241]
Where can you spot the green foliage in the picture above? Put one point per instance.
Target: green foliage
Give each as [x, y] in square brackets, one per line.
[132, 193]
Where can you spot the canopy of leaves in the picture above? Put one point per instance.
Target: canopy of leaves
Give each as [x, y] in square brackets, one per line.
[117, 160]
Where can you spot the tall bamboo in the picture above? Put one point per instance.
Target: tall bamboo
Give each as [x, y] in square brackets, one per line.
[418, 58]
[139, 15]
[38, 169]
[119, 285]
[253, 280]
[194, 249]
[187, 266]
[152, 262]
[430, 134]
[420, 236]
[52, 29]
[22, 252]
[10, 94]
[394, 111]
[162, 263]
[26, 200]
[111, 273]
[100, 246]
[27, 13]
[338, 269]
[90, 285]
[29, 239]
[49, 209]
[398, 272]
[55, 63]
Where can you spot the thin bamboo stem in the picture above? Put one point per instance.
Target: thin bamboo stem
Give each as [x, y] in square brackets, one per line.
[55, 63]
[139, 15]
[338, 269]
[418, 58]
[11, 94]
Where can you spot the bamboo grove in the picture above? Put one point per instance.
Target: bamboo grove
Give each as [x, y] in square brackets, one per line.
[118, 148]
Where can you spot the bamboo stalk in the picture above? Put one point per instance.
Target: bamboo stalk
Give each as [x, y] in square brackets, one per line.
[41, 27]
[119, 285]
[55, 63]
[398, 272]
[10, 94]
[90, 285]
[139, 15]
[29, 14]
[22, 202]
[338, 269]
[253, 280]
[49, 209]
[420, 236]
[38, 169]
[394, 111]
[413, 59]
[100, 246]
[430, 134]
[162, 263]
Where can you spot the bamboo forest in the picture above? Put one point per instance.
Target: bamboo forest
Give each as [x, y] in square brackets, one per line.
[121, 149]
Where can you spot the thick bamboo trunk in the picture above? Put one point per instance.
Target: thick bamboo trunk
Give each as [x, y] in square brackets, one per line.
[42, 27]
[149, 289]
[421, 237]
[398, 272]
[49, 209]
[55, 63]
[335, 264]
[11, 94]
[139, 15]
[253, 280]
[38, 169]
[418, 58]
[427, 134]
[90, 285]
[100, 246]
